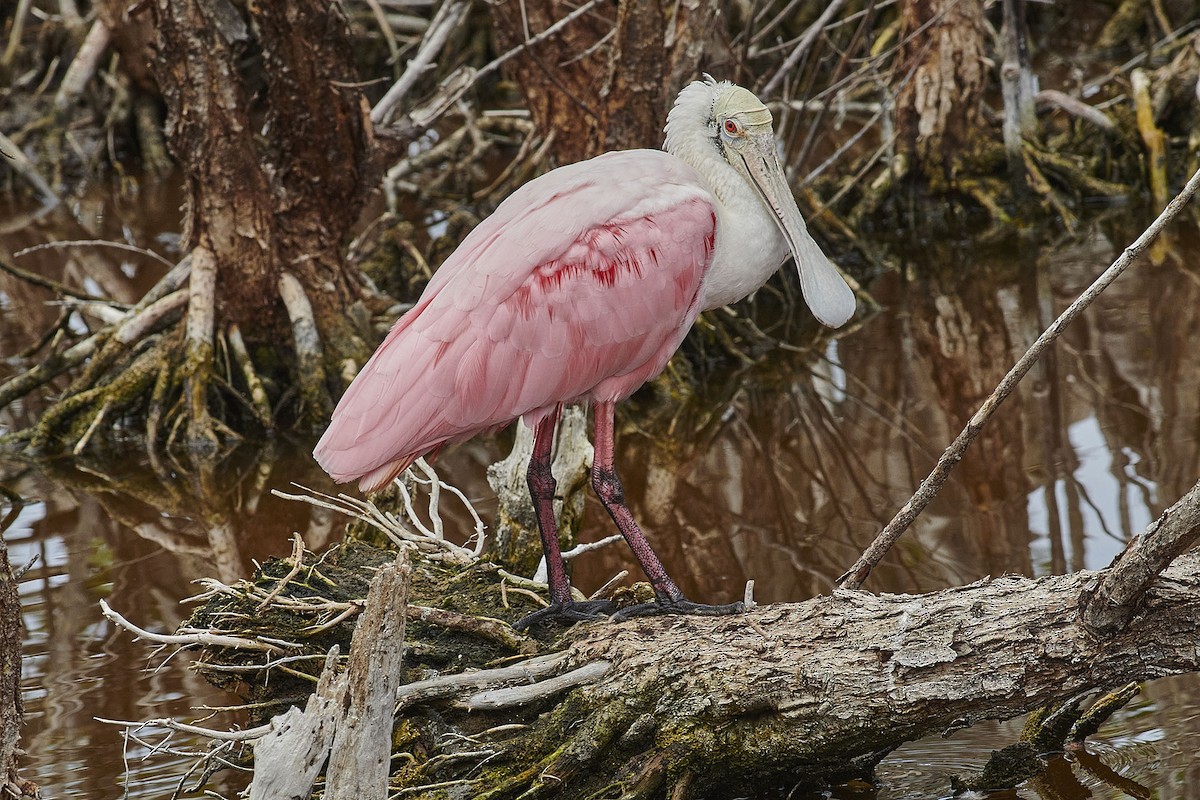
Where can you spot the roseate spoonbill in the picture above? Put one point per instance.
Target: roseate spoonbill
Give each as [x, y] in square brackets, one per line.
[579, 288]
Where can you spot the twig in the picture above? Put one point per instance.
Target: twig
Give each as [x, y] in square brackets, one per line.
[132, 248]
[457, 84]
[297, 562]
[42, 280]
[385, 523]
[802, 47]
[854, 577]
[197, 730]
[204, 638]
[14, 35]
[588, 547]
[527, 584]
[435, 496]
[440, 28]
[83, 66]
[604, 591]
[540, 575]
[389, 36]
[496, 699]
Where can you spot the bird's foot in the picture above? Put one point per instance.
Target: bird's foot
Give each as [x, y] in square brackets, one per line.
[572, 611]
[679, 605]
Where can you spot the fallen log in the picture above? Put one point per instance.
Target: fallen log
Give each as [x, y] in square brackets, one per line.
[787, 695]
[820, 691]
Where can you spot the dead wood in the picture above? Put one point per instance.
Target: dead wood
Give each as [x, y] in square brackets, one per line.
[11, 707]
[790, 694]
[1113, 599]
[348, 720]
[822, 690]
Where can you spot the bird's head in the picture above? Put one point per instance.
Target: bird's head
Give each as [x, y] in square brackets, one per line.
[718, 114]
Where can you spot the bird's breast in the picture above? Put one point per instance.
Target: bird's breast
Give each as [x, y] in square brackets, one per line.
[749, 249]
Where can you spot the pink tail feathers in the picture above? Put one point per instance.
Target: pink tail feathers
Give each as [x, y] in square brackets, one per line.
[378, 478]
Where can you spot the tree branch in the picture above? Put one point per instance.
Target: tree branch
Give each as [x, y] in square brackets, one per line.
[854, 577]
[1111, 600]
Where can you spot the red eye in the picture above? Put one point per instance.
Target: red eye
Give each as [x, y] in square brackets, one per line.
[732, 128]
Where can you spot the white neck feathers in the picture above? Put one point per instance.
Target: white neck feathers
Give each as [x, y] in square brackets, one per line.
[749, 246]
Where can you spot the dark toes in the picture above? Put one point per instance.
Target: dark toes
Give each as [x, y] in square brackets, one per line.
[575, 611]
[680, 606]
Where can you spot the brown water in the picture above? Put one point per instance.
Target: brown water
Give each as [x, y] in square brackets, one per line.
[781, 474]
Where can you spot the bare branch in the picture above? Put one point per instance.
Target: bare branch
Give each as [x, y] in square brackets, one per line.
[451, 685]
[204, 638]
[496, 699]
[1111, 601]
[196, 730]
[854, 577]
[803, 46]
[443, 24]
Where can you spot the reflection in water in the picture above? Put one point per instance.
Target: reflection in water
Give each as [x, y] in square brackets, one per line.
[97, 537]
[781, 473]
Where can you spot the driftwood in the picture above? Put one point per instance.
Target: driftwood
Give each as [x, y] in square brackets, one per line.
[786, 695]
[348, 719]
[812, 692]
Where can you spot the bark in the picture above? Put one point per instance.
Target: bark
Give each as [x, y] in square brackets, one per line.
[276, 165]
[606, 81]
[939, 117]
[10, 673]
[822, 690]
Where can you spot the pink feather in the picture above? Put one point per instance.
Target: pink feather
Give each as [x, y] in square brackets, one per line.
[579, 287]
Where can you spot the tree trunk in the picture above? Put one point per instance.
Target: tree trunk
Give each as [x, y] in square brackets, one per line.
[818, 691]
[273, 185]
[943, 67]
[268, 126]
[10, 674]
[604, 83]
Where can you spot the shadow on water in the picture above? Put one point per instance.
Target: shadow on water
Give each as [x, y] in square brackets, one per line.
[782, 473]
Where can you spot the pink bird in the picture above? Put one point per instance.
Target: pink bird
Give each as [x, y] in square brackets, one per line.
[579, 289]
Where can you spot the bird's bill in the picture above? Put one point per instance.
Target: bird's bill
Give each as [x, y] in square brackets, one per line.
[825, 291]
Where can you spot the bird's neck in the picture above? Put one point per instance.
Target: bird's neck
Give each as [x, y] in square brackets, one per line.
[749, 246]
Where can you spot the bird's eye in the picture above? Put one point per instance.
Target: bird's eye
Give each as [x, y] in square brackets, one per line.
[732, 127]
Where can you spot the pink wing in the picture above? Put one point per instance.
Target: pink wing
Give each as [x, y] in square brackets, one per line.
[581, 285]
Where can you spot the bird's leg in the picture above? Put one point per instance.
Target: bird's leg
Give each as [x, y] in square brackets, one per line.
[541, 483]
[541, 488]
[670, 599]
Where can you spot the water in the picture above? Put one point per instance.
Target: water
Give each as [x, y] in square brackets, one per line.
[782, 473]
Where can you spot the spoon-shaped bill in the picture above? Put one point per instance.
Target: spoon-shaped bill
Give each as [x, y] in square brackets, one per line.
[830, 299]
